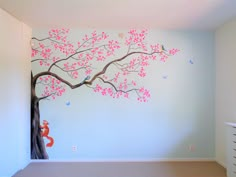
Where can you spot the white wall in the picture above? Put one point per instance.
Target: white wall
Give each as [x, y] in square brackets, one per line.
[225, 98]
[15, 94]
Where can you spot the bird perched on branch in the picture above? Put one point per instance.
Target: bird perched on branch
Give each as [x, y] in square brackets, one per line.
[162, 48]
[85, 79]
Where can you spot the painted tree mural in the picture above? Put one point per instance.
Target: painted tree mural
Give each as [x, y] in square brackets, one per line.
[106, 66]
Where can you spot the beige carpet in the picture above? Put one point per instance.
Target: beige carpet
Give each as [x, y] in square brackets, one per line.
[123, 169]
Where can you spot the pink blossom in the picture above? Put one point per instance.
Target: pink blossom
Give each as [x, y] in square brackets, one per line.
[78, 44]
[156, 48]
[104, 35]
[126, 95]
[74, 74]
[134, 83]
[120, 86]
[98, 88]
[109, 91]
[144, 63]
[132, 63]
[34, 52]
[173, 51]
[142, 72]
[100, 58]
[141, 90]
[54, 87]
[153, 57]
[163, 58]
[41, 46]
[116, 77]
[125, 73]
[104, 91]
[94, 33]
[146, 93]
[88, 71]
[100, 52]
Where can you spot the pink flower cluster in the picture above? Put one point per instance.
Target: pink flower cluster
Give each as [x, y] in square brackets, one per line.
[54, 59]
[65, 48]
[123, 85]
[136, 38]
[34, 53]
[92, 39]
[98, 38]
[173, 51]
[88, 71]
[45, 53]
[144, 95]
[59, 34]
[112, 45]
[163, 57]
[97, 53]
[142, 72]
[132, 63]
[60, 42]
[144, 60]
[52, 86]
[117, 75]
[156, 48]
[110, 92]
[72, 69]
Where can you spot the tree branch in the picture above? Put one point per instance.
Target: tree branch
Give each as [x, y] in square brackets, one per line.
[42, 98]
[37, 60]
[59, 78]
[40, 39]
[47, 38]
[118, 60]
[87, 41]
[107, 82]
[53, 64]
[87, 82]
[84, 67]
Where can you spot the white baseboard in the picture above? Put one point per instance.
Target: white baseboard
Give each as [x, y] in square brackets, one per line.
[132, 160]
[222, 164]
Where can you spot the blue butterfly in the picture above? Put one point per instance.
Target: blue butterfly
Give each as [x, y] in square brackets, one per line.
[191, 61]
[165, 77]
[68, 103]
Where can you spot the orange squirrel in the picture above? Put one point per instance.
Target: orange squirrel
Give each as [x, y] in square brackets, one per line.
[45, 132]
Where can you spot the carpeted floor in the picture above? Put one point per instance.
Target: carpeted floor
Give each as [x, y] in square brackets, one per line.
[122, 169]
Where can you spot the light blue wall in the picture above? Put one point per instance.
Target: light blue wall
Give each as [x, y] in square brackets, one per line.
[180, 112]
[15, 94]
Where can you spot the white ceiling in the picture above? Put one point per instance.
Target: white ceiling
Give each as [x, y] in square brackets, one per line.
[161, 14]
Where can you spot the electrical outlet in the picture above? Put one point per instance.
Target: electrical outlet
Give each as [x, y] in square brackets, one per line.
[74, 148]
[191, 148]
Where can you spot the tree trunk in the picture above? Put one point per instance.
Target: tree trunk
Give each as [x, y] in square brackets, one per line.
[38, 150]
